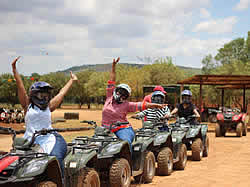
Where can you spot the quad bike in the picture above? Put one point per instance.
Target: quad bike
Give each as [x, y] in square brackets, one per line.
[231, 120]
[155, 137]
[79, 164]
[114, 160]
[27, 165]
[195, 137]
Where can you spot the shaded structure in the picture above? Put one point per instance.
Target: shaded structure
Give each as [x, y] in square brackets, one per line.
[225, 81]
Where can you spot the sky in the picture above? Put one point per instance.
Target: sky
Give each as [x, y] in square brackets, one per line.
[54, 35]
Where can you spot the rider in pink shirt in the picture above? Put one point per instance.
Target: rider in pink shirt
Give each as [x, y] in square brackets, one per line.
[117, 106]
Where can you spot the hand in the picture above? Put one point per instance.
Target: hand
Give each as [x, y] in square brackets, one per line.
[134, 116]
[14, 63]
[73, 76]
[115, 61]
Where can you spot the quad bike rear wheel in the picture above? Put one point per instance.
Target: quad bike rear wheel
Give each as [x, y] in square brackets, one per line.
[181, 164]
[120, 173]
[212, 118]
[239, 129]
[244, 133]
[197, 149]
[217, 130]
[148, 169]
[165, 162]
[206, 147]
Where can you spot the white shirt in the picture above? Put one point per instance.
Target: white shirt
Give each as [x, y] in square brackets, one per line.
[36, 120]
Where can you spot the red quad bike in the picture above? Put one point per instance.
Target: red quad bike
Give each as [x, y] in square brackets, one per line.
[231, 120]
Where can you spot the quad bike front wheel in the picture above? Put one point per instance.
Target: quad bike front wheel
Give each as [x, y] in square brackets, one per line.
[46, 184]
[181, 164]
[217, 130]
[197, 149]
[239, 129]
[206, 147]
[165, 162]
[148, 169]
[120, 173]
[89, 178]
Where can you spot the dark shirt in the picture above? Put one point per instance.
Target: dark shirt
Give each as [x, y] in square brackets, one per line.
[189, 111]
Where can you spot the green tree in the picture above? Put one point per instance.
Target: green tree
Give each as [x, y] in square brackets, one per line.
[234, 50]
[208, 65]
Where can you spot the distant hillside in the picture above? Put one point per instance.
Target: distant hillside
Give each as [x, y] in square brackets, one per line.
[107, 67]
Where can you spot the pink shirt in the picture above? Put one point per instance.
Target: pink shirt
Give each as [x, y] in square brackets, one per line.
[113, 112]
[147, 98]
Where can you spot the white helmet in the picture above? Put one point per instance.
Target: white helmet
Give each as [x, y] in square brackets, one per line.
[124, 92]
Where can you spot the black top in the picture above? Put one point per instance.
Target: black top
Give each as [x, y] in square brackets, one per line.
[189, 111]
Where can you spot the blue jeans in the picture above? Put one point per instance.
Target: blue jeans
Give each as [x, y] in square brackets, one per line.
[60, 150]
[126, 134]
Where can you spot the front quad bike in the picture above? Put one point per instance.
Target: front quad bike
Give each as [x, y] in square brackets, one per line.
[114, 159]
[26, 165]
[231, 120]
[155, 137]
[196, 138]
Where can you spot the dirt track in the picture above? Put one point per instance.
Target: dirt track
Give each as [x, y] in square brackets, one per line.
[227, 163]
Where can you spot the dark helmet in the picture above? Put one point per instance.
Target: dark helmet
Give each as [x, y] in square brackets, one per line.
[40, 94]
[186, 96]
[158, 97]
[124, 92]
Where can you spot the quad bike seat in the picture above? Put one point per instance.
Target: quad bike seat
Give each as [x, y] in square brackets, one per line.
[102, 131]
[21, 143]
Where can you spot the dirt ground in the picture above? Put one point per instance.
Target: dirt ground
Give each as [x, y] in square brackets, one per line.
[226, 165]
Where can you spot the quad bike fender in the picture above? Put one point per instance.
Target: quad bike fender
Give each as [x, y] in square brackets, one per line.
[193, 132]
[75, 162]
[112, 149]
[37, 166]
[204, 129]
[161, 138]
[245, 118]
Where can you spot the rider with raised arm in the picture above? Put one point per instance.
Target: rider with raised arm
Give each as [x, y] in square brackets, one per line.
[117, 106]
[38, 105]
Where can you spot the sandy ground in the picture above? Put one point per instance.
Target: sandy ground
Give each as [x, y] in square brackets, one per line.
[226, 165]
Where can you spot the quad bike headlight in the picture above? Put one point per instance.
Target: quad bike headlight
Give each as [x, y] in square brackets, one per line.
[33, 167]
[113, 148]
[159, 139]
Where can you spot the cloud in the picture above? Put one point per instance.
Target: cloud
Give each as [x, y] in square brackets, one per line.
[217, 26]
[242, 5]
[86, 32]
[204, 13]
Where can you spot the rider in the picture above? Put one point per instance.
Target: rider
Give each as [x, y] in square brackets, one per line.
[155, 113]
[117, 106]
[38, 106]
[148, 98]
[186, 108]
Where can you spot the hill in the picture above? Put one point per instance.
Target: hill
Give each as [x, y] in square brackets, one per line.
[107, 67]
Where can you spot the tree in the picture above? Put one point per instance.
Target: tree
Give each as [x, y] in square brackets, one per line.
[234, 50]
[208, 65]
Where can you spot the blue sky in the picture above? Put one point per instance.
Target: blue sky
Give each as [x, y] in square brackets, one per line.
[58, 34]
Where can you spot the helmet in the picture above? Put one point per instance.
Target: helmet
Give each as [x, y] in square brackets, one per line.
[159, 88]
[186, 96]
[121, 93]
[40, 94]
[158, 97]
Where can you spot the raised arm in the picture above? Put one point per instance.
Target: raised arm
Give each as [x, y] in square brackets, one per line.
[55, 102]
[22, 95]
[112, 73]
